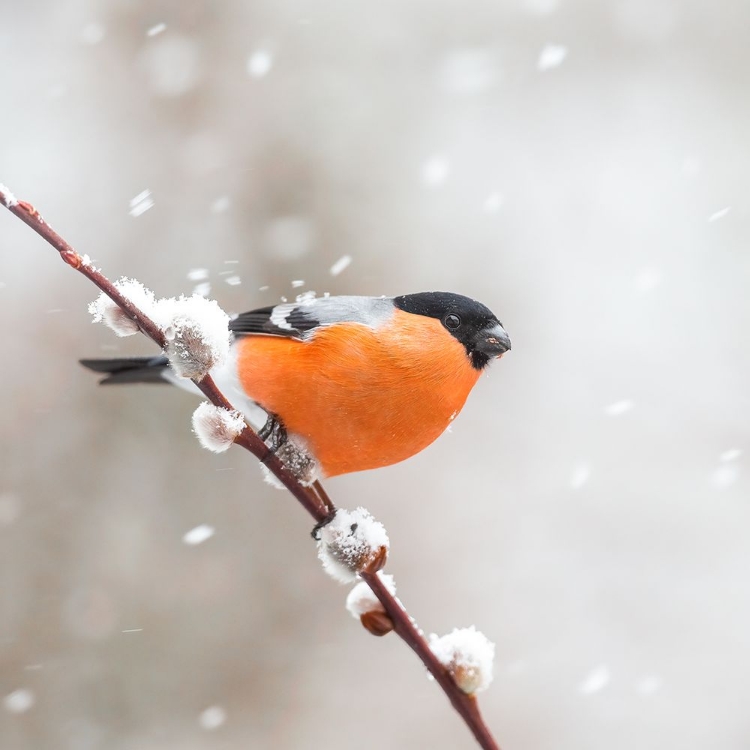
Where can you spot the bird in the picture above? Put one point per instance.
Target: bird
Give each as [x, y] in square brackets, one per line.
[364, 382]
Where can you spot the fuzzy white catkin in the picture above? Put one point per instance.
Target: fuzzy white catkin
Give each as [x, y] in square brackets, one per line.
[104, 310]
[468, 655]
[350, 542]
[361, 600]
[196, 328]
[197, 333]
[216, 427]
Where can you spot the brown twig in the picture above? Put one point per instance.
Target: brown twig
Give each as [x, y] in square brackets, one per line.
[314, 499]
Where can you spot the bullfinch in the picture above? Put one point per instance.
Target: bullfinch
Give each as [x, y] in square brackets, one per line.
[365, 382]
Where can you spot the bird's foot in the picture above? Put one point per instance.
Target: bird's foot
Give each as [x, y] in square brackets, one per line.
[315, 533]
[274, 432]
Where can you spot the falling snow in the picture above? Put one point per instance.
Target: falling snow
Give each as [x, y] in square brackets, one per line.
[552, 56]
[259, 64]
[340, 265]
[595, 681]
[19, 701]
[220, 204]
[156, 29]
[720, 214]
[730, 455]
[93, 33]
[618, 408]
[212, 718]
[647, 279]
[141, 203]
[435, 171]
[725, 475]
[648, 685]
[198, 535]
[493, 202]
[580, 476]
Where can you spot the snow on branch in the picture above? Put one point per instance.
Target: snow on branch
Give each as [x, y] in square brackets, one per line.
[363, 605]
[107, 311]
[468, 656]
[7, 197]
[216, 427]
[197, 333]
[196, 329]
[350, 543]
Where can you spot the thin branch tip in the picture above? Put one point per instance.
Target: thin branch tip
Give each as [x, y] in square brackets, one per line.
[7, 197]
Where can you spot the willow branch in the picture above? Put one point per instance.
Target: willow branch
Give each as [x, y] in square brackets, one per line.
[313, 499]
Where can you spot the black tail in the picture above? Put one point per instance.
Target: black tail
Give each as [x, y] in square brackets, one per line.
[132, 370]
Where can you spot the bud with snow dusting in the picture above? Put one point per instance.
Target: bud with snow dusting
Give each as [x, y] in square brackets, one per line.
[351, 542]
[217, 427]
[113, 316]
[296, 456]
[196, 329]
[197, 335]
[468, 656]
[366, 607]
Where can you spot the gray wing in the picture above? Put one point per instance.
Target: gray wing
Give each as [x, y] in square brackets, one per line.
[300, 320]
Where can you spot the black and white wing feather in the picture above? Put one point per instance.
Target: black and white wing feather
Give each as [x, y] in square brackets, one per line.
[299, 320]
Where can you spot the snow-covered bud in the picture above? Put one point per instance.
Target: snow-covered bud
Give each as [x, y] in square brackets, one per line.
[351, 542]
[361, 598]
[113, 316]
[196, 329]
[366, 607]
[197, 333]
[468, 656]
[296, 456]
[217, 427]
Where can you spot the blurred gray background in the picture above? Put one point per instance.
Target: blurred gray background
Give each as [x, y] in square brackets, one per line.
[581, 168]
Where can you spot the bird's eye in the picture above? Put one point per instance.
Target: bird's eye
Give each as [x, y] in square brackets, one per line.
[451, 322]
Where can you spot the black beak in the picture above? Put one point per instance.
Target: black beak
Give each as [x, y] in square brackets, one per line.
[493, 341]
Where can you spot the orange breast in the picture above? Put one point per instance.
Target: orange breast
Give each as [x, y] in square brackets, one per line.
[361, 398]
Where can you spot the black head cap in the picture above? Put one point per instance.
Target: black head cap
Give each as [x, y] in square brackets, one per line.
[467, 320]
